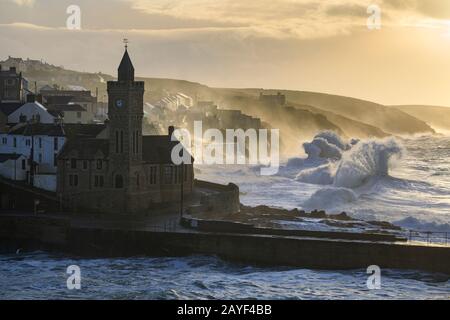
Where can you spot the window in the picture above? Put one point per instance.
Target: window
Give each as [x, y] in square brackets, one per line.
[28, 142]
[117, 141]
[73, 180]
[168, 172]
[5, 140]
[152, 178]
[137, 141]
[55, 160]
[99, 164]
[10, 82]
[14, 142]
[79, 115]
[99, 181]
[40, 157]
[118, 183]
[121, 141]
[40, 143]
[22, 118]
[85, 165]
[24, 164]
[55, 144]
[73, 163]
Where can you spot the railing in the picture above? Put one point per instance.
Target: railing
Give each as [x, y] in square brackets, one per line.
[168, 226]
[429, 237]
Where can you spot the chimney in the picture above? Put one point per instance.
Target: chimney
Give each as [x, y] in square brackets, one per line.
[39, 98]
[31, 98]
[171, 131]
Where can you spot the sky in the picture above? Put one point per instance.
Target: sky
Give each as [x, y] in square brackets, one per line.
[308, 45]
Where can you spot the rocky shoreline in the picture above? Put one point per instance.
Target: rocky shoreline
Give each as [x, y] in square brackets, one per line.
[270, 217]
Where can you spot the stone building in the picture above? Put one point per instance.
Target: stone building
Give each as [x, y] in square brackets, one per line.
[122, 171]
[13, 86]
[273, 99]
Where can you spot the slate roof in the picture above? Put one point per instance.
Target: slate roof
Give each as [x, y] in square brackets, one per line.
[65, 107]
[86, 148]
[38, 129]
[158, 149]
[9, 156]
[9, 107]
[83, 130]
[126, 69]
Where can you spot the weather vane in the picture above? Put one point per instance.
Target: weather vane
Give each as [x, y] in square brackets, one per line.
[126, 41]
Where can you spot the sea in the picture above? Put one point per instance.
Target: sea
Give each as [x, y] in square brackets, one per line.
[405, 181]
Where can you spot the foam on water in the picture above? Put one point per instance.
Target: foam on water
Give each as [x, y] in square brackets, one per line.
[378, 179]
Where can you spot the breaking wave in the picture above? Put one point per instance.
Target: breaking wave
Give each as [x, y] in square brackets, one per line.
[330, 197]
[343, 167]
[348, 165]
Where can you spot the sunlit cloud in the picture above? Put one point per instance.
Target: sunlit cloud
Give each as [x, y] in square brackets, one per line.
[27, 3]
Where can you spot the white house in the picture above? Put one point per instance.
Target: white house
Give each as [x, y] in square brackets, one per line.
[46, 140]
[14, 166]
[32, 111]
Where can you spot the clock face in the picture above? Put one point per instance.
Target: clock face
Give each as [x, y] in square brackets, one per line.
[120, 103]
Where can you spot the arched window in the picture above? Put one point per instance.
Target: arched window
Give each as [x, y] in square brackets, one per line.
[118, 183]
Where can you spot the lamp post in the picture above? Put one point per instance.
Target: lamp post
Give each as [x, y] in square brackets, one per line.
[182, 185]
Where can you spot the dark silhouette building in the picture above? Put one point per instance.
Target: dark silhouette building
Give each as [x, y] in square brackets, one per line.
[120, 170]
[13, 86]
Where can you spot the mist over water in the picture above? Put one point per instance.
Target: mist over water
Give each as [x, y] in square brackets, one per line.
[401, 180]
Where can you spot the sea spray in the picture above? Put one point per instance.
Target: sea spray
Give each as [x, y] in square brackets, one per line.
[345, 167]
[365, 160]
[330, 198]
[326, 145]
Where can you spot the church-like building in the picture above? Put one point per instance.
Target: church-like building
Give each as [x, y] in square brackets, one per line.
[120, 170]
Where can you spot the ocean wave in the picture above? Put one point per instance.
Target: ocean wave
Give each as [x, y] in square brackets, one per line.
[413, 223]
[330, 198]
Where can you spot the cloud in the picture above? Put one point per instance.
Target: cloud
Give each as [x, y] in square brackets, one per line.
[282, 18]
[26, 3]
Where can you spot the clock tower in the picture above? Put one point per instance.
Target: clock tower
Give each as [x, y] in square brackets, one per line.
[125, 112]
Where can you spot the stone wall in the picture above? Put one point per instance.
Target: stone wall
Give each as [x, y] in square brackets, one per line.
[219, 199]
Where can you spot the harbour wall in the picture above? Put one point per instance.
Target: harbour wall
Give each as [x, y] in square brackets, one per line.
[57, 234]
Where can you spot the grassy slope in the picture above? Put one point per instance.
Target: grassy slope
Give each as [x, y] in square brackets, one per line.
[437, 117]
[317, 111]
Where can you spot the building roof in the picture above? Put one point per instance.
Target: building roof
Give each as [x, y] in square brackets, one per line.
[9, 107]
[73, 130]
[126, 68]
[158, 149]
[38, 129]
[58, 99]
[9, 156]
[66, 107]
[86, 148]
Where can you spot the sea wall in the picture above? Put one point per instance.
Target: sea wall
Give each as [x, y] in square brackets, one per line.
[56, 234]
[221, 199]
